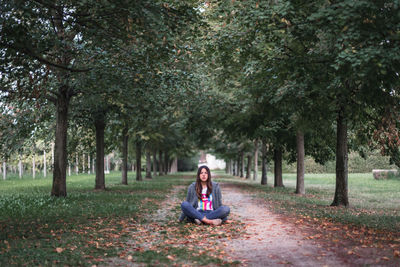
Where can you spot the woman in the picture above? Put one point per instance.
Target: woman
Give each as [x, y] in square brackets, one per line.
[204, 202]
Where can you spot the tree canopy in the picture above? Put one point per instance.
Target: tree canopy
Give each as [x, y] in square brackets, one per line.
[310, 78]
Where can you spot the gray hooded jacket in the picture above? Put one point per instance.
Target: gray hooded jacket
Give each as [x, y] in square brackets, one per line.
[193, 199]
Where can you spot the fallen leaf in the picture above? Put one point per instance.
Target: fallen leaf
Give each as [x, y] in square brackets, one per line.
[59, 250]
[172, 258]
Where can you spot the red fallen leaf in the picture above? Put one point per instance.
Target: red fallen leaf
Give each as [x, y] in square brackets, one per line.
[59, 250]
[385, 258]
[396, 253]
[7, 244]
[172, 258]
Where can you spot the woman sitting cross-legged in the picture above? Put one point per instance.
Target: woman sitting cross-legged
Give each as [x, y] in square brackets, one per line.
[204, 201]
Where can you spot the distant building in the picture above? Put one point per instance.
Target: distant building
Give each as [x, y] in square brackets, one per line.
[211, 161]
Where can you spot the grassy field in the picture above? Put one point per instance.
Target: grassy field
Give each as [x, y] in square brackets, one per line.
[36, 229]
[373, 203]
[89, 226]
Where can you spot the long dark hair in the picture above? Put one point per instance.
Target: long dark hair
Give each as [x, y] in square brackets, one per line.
[199, 187]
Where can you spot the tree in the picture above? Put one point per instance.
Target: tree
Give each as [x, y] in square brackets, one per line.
[361, 56]
[50, 43]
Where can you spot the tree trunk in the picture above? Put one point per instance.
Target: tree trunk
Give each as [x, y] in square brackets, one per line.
[174, 165]
[99, 124]
[33, 166]
[52, 156]
[278, 182]
[138, 161]
[59, 188]
[88, 163]
[160, 165]
[248, 171]
[69, 169]
[107, 167]
[242, 164]
[83, 163]
[125, 139]
[44, 164]
[171, 161]
[255, 174]
[237, 166]
[264, 177]
[4, 170]
[116, 166]
[154, 162]
[166, 162]
[148, 164]
[300, 163]
[76, 163]
[20, 166]
[341, 191]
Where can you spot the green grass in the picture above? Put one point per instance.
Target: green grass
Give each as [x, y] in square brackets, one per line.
[33, 224]
[373, 203]
[89, 225]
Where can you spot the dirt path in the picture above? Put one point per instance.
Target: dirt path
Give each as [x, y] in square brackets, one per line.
[270, 241]
[256, 237]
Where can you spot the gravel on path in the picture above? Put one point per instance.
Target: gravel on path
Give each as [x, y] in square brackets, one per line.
[269, 241]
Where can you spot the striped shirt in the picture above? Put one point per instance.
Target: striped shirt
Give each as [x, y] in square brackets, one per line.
[205, 203]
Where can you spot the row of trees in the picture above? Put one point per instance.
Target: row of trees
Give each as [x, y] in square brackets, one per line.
[39, 161]
[282, 79]
[24, 162]
[99, 74]
[303, 78]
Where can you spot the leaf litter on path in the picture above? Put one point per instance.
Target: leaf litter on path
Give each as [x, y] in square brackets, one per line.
[276, 239]
[162, 240]
[255, 236]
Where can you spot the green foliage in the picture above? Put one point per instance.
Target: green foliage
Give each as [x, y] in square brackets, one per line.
[188, 164]
[291, 65]
[356, 164]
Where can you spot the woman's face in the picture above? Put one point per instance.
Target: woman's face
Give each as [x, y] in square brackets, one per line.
[203, 175]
